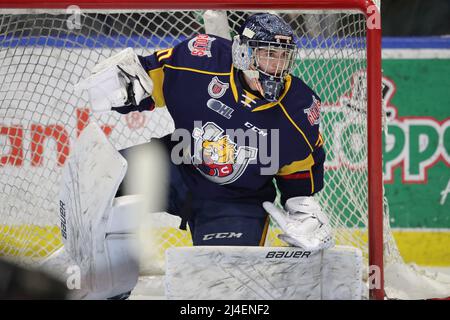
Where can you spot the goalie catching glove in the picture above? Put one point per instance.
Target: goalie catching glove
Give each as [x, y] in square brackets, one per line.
[118, 81]
[303, 223]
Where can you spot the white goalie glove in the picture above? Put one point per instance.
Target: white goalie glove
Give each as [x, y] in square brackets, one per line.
[118, 81]
[303, 223]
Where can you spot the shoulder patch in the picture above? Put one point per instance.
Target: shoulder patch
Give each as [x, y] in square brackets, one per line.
[200, 46]
[313, 112]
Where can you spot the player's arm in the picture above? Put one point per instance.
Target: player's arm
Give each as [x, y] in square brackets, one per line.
[303, 177]
[154, 67]
[302, 173]
[137, 82]
[127, 82]
[182, 57]
[302, 220]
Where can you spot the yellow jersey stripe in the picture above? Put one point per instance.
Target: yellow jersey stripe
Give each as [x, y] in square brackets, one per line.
[161, 52]
[296, 166]
[264, 234]
[250, 95]
[197, 70]
[164, 54]
[233, 84]
[265, 106]
[157, 76]
[296, 126]
[319, 141]
[312, 180]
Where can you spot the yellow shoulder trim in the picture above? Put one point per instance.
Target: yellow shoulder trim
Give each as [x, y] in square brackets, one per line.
[157, 76]
[233, 84]
[197, 70]
[250, 95]
[319, 141]
[164, 54]
[296, 166]
[265, 106]
[296, 126]
[264, 234]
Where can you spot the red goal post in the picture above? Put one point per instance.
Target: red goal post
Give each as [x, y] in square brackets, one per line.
[373, 56]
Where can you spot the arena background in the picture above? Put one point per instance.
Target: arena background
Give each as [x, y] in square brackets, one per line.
[416, 69]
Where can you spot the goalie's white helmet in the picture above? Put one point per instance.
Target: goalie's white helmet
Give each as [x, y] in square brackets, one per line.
[265, 43]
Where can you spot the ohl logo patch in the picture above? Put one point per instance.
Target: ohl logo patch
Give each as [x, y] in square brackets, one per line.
[218, 158]
[217, 88]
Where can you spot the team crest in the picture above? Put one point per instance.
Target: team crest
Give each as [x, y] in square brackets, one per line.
[217, 88]
[218, 158]
[201, 45]
[313, 112]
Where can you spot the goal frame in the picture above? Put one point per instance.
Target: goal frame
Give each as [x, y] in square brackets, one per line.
[374, 105]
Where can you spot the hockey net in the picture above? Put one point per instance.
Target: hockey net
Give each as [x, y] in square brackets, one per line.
[43, 53]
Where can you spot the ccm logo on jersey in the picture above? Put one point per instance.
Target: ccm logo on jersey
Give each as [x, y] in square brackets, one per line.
[288, 254]
[313, 112]
[222, 235]
[256, 129]
[201, 45]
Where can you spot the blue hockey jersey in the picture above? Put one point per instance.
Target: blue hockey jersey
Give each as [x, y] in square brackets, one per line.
[204, 95]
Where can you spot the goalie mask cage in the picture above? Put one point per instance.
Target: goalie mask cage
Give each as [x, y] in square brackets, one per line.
[47, 47]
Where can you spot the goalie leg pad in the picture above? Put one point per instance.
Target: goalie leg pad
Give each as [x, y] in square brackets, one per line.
[121, 244]
[98, 234]
[258, 273]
